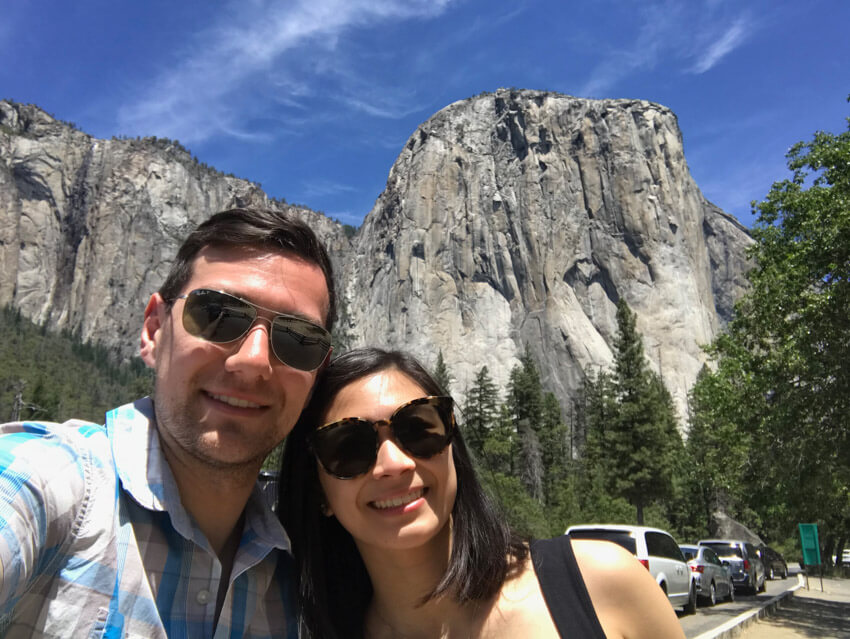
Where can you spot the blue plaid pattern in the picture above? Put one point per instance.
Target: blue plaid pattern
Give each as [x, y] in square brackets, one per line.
[94, 541]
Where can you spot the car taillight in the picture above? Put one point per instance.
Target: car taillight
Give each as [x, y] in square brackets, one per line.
[645, 563]
[697, 568]
[746, 564]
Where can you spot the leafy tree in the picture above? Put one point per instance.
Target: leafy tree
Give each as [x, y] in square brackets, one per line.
[786, 351]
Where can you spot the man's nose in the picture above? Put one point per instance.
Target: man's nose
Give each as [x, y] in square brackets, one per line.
[253, 352]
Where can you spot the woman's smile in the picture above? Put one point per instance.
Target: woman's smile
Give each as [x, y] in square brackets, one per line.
[395, 502]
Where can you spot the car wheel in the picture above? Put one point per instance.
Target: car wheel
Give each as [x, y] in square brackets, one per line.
[731, 592]
[763, 586]
[712, 594]
[785, 572]
[770, 575]
[691, 607]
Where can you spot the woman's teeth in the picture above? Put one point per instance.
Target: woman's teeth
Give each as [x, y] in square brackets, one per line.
[395, 502]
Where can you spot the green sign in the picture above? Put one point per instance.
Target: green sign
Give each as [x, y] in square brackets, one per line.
[809, 541]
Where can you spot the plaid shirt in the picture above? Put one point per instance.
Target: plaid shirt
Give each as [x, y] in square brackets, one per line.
[94, 541]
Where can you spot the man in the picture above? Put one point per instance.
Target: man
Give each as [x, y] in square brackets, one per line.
[151, 526]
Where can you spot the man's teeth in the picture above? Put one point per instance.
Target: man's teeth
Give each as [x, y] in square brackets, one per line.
[395, 502]
[232, 401]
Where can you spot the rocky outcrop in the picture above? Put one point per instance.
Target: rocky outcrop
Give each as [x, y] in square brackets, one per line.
[509, 219]
[88, 227]
[724, 527]
[522, 217]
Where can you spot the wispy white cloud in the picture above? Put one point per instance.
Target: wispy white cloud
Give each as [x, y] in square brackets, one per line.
[656, 24]
[322, 188]
[730, 39]
[258, 46]
[694, 36]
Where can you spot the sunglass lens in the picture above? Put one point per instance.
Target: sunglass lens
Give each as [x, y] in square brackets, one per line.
[347, 448]
[299, 344]
[216, 317]
[421, 429]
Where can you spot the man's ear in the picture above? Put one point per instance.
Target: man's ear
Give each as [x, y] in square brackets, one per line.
[155, 315]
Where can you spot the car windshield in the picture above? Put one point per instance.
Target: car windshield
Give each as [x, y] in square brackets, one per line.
[725, 550]
[620, 537]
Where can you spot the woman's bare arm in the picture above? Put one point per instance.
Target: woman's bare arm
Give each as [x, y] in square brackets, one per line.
[628, 602]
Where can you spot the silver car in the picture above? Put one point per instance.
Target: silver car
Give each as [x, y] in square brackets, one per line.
[710, 575]
[656, 550]
[745, 565]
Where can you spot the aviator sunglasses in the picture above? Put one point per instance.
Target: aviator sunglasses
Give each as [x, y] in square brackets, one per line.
[221, 318]
[349, 447]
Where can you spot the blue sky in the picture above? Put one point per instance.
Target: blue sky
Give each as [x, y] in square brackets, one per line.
[314, 99]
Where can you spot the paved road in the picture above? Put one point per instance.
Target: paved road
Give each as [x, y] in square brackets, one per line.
[708, 618]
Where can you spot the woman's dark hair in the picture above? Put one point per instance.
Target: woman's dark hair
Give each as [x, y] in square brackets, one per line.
[334, 588]
[260, 228]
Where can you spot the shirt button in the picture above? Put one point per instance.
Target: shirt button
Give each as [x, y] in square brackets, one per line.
[203, 597]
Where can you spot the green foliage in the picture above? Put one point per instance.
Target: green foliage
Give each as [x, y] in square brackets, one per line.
[52, 377]
[525, 514]
[442, 375]
[781, 386]
[633, 440]
[525, 405]
[480, 412]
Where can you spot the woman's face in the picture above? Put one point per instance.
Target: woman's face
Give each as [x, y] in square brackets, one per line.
[402, 502]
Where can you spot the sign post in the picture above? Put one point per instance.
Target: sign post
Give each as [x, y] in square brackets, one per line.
[811, 550]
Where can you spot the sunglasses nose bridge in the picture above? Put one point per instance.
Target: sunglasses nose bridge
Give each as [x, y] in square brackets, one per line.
[252, 350]
[391, 458]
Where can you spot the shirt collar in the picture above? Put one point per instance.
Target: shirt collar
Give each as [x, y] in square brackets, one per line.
[146, 476]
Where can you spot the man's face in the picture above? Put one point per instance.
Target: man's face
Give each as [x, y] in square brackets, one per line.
[228, 405]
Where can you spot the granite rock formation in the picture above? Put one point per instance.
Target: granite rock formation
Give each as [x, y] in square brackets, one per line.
[522, 217]
[510, 219]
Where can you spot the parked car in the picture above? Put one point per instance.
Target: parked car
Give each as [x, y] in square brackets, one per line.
[774, 563]
[657, 551]
[711, 577]
[745, 566]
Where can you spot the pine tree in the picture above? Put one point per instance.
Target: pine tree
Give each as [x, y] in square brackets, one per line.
[442, 375]
[480, 412]
[554, 447]
[525, 402]
[641, 440]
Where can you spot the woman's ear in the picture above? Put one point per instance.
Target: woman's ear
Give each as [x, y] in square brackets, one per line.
[324, 506]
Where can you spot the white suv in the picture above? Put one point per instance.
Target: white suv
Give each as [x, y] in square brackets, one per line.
[656, 550]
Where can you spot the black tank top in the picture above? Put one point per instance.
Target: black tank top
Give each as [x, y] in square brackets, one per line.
[563, 588]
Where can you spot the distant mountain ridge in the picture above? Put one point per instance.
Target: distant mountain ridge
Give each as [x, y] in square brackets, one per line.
[511, 218]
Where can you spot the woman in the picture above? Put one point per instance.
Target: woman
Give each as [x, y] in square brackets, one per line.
[394, 537]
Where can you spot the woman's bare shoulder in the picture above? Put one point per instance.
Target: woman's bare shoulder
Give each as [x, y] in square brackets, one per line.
[626, 598]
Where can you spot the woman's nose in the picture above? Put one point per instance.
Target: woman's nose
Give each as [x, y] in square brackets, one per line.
[392, 459]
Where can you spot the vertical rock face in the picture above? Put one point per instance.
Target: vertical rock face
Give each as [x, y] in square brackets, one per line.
[510, 219]
[88, 227]
[522, 218]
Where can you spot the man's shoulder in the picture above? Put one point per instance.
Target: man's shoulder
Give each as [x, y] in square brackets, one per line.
[51, 432]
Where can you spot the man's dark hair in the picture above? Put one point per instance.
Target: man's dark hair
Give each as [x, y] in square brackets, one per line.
[334, 588]
[258, 228]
